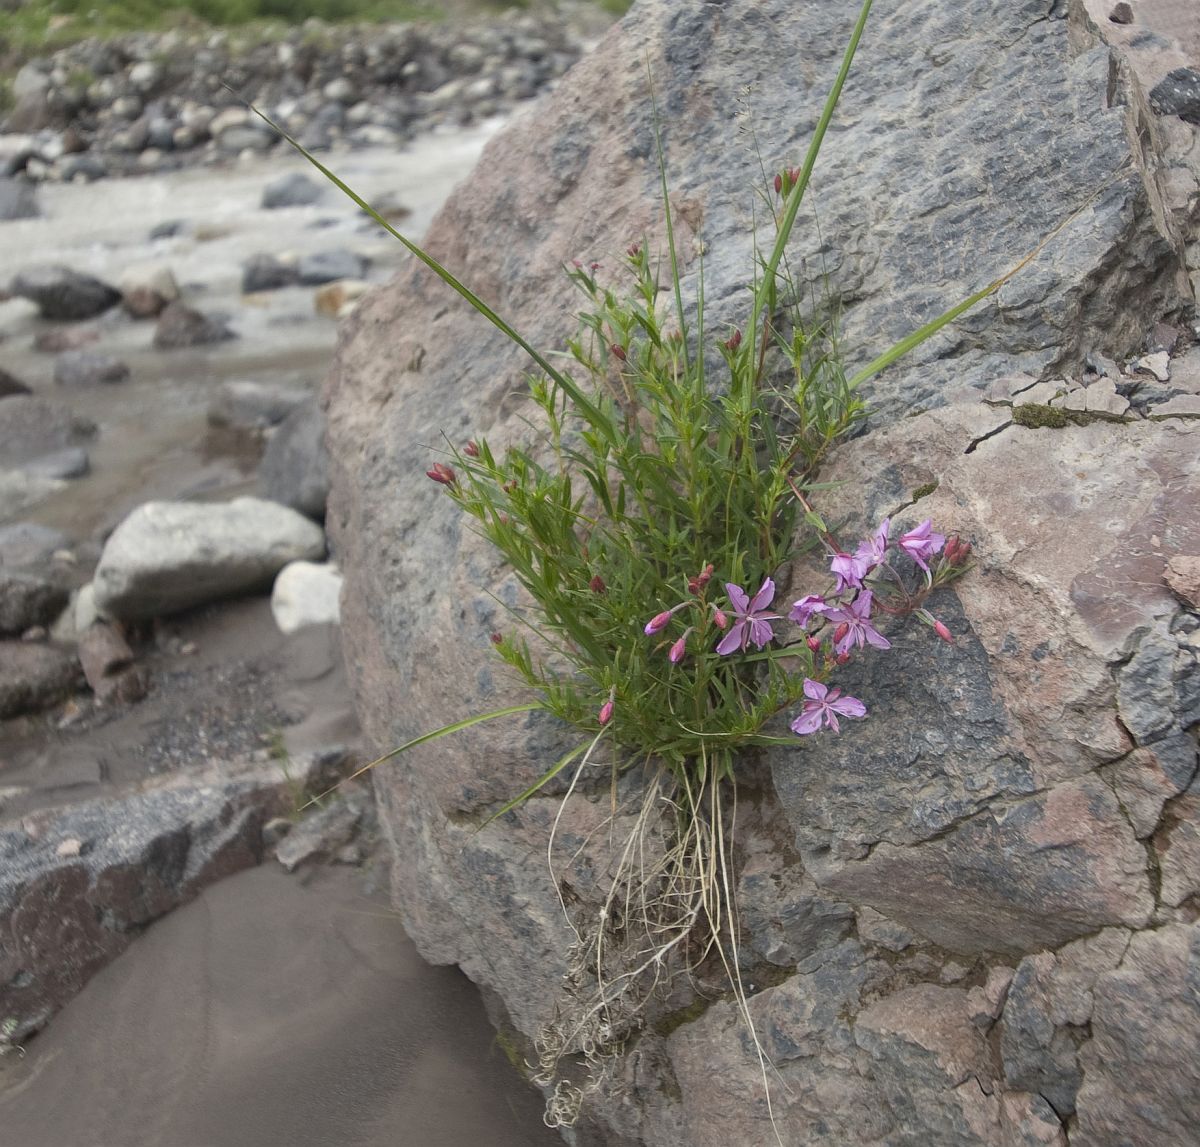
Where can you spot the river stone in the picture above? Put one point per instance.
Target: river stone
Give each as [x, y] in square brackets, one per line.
[266, 273]
[295, 190]
[249, 405]
[29, 546]
[180, 326]
[146, 290]
[31, 427]
[969, 809]
[10, 386]
[77, 886]
[88, 368]
[169, 556]
[27, 600]
[306, 593]
[34, 677]
[1178, 93]
[295, 466]
[63, 294]
[72, 462]
[329, 266]
[18, 200]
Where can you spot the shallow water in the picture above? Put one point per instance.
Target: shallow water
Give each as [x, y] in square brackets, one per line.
[153, 440]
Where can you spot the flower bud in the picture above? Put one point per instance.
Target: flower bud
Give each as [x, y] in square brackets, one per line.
[957, 551]
[658, 621]
[606, 712]
[719, 619]
[734, 341]
[840, 632]
[497, 638]
[442, 474]
[618, 351]
[794, 175]
[471, 449]
[943, 632]
[675, 656]
[842, 658]
[778, 184]
[633, 250]
[593, 267]
[813, 642]
[596, 585]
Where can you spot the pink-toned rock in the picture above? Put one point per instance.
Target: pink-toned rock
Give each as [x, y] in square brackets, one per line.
[108, 665]
[1183, 576]
[1141, 1069]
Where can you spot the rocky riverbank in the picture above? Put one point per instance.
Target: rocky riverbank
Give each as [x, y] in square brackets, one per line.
[159, 101]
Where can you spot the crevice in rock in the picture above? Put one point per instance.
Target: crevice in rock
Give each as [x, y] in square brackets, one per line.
[975, 442]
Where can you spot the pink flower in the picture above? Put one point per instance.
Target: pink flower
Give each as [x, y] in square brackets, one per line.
[825, 705]
[922, 543]
[849, 569]
[940, 629]
[676, 652]
[605, 714]
[871, 550]
[657, 622]
[750, 622]
[855, 618]
[802, 610]
[442, 474]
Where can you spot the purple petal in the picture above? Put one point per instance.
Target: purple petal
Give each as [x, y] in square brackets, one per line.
[876, 638]
[832, 721]
[761, 632]
[809, 720]
[739, 597]
[764, 597]
[814, 689]
[849, 707]
[733, 640]
[803, 609]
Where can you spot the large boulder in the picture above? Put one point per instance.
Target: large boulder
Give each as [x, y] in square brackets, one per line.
[63, 294]
[295, 464]
[169, 556]
[999, 802]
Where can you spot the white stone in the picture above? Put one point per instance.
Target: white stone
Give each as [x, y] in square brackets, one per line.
[306, 594]
[168, 556]
[1158, 365]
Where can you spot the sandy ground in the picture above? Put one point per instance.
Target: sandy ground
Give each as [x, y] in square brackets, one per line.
[271, 1011]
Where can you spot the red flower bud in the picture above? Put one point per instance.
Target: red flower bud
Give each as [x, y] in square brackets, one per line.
[633, 250]
[840, 632]
[794, 175]
[509, 486]
[497, 638]
[593, 267]
[813, 642]
[943, 632]
[471, 449]
[596, 585]
[734, 341]
[618, 351]
[779, 185]
[605, 714]
[842, 658]
[657, 622]
[442, 474]
[957, 551]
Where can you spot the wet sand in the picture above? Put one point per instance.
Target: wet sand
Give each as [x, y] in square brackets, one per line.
[271, 1011]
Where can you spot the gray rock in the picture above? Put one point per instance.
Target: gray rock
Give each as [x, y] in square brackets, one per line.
[266, 273]
[1178, 93]
[34, 677]
[61, 464]
[1141, 1070]
[63, 294]
[77, 886]
[146, 290]
[88, 368]
[321, 833]
[180, 326]
[20, 491]
[248, 138]
[10, 386]
[328, 266]
[169, 556]
[249, 405]
[18, 200]
[295, 467]
[29, 546]
[295, 190]
[83, 168]
[306, 593]
[27, 600]
[32, 427]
